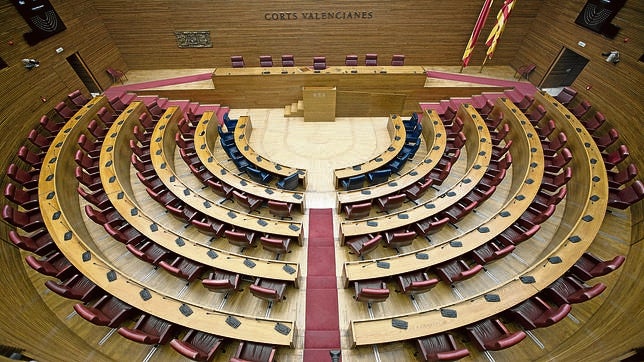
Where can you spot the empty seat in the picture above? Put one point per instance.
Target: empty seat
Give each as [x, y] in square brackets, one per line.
[249, 202]
[241, 238]
[557, 161]
[149, 251]
[357, 211]
[479, 194]
[525, 70]
[267, 289]
[364, 244]
[91, 148]
[98, 198]
[27, 221]
[439, 174]
[63, 110]
[589, 266]
[77, 287]
[458, 210]
[607, 139]
[256, 352]
[536, 114]
[399, 238]
[351, 60]
[107, 311]
[41, 142]
[209, 226]
[493, 335]
[371, 59]
[230, 123]
[397, 60]
[499, 135]
[430, 225]
[568, 289]
[237, 61]
[456, 270]
[265, 61]
[77, 98]
[221, 189]
[518, 232]
[288, 60]
[370, 291]
[222, 281]
[31, 158]
[258, 176]
[150, 330]
[289, 182]
[126, 234]
[546, 130]
[319, 63]
[116, 74]
[97, 130]
[566, 95]
[106, 116]
[581, 109]
[439, 347]
[491, 251]
[617, 179]
[415, 283]
[28, 200]
[27, 179]
[276, 244]
[39, 243]
[197, 345]
[389, 203]
[418, 189]
[616, 157]
[280, 209]
[183, 268]
[378, 176]
[622, 199]
[353, 183]
[552, 182]
[54, 265]
[594, 123]
[544, 199]
[536, 313]
[50, 125]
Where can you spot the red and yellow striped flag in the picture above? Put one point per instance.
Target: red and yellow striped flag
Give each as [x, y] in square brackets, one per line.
[497, 30]
[480, 22]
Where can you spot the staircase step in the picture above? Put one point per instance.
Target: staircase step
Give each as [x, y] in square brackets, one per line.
[300, 105]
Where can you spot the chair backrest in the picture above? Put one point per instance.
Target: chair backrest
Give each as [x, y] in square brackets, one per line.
[289, 182]
[357, 211]
[379, 176]
[628, 196]
[351, 60]
[288, 60]
[371, 59]
[237, 61]
[493, 335]
[243, 238]
[197, 345]
[39, 140]
[566, 95]
[250, 351]
[63, 110]
[371, 292]
[440, 347]
[319, 63]
[49, 125]
[149, 330]
[398, 60]
[394, 201]
[397, 239]
[222, 281]
[354, 182]
[265, 61]
[268, 290]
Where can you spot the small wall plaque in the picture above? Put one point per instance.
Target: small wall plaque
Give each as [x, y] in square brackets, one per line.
[193, 39]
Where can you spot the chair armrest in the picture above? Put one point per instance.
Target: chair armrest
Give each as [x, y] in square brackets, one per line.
[506, 341]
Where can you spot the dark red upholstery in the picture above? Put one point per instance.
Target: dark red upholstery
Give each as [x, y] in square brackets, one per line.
[197, 345]
[493, 335]
[569, 290]
[456, 270]
[222, 281]
[536, 313]
[150, 330]
[107, 311]
[589, 266]
[371, 291]
[439, 347]
[415, 283]
[364, 244]
[267, 289]
[255, 352]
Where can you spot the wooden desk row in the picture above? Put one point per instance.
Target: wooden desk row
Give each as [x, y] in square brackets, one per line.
[205, 140]
[479, 151]
[397, 133]
[582, 219]
[63, 218]
[433, 135]
[243, 132]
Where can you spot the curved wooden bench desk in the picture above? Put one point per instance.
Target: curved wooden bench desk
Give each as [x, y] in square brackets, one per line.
[397, 133]
[63, 218]
[582, 219]
[162, 149]
[120, 193]
[526, 179]
[243, 132]
[479, 150]
[433, 131]
[205, 140]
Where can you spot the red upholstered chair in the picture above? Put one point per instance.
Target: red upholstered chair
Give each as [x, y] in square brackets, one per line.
[242, 238]
[222, 281]
[536, 114]
[499, 134]
[544, 199]
[536, 313]
[568, 289]
[398, 60]
[237, 61]
[88, 164]
[53, 265]
[116, 75]
[249, 202]
[31, 158]
[77, 99]
[41, 142]
[622, 199]
[491, 251]
[197, 345]
[399, 238]
[150, 330]
[371, 59]
[557, 161]
[357, 211]
[126, 234]
[493, 335]
[418, 189]
[485, 109]
[430, 225]
[319, 63]
[280, 209]
[458, 210]
[552, 182]
[50, 125]
[456, 125]
[267, 289]
[91, 148]
[537, 214]
[616, 157]
[106, 116]
[479, 194]
[545, 130]
[566, 95]
[392, 202]
[155, 110]
[589, 266]
[28, 180]
[499, 151]
[26, 221]
[594, 123]
[364, 244]
[209, 226]
[98, 198]
[117, 104]
[276, 244]
[108, 311]
[581, 109]
[108, 216]
[439, 174]
[39, 243]
[551, 147]
[256, 352]
[371, 291]
[439, 347]
[456, 270]
[183, 268]
[76, 287]
[265, 61]
[221, 189]
[607, 139]
[351, 60]
[63, 110]
[288, 60]
[617, 179]
[28, 200]
[97, 129]
[149, 251]
[524, 71]
[517, 233]
[415, 283]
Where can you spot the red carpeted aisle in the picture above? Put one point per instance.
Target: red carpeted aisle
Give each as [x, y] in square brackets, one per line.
[322, 331]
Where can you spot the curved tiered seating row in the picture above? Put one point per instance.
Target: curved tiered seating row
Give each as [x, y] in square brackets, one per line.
[61, 214]
[581, 221]
[117, 168]
[396, 129]
[243, 131]
[205, 140]
[479, 154]
[433, 134]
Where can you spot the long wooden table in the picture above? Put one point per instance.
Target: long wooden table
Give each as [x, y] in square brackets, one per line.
[581, 222]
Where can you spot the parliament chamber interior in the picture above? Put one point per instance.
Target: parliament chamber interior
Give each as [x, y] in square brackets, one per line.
[322, 181]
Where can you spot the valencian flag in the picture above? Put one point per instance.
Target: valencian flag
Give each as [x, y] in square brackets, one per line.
[501, 20]
[480, 22]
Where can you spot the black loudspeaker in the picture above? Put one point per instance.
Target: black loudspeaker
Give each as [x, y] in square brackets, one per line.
[41, 17]
[597, 15]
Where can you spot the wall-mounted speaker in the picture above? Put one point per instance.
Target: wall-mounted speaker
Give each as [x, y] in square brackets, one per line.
[41, 17]
[597, 15]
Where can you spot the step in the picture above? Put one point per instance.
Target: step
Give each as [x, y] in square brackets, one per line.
[300, 105]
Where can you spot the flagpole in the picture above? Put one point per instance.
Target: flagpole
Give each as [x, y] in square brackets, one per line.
[483, 65]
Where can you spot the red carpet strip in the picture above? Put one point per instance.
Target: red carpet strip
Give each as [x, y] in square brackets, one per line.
[322, 331]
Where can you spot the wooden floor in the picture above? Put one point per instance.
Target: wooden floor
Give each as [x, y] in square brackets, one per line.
[320, 148]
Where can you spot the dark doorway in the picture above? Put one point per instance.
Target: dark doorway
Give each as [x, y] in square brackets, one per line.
[564, 70]
[84, 73]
